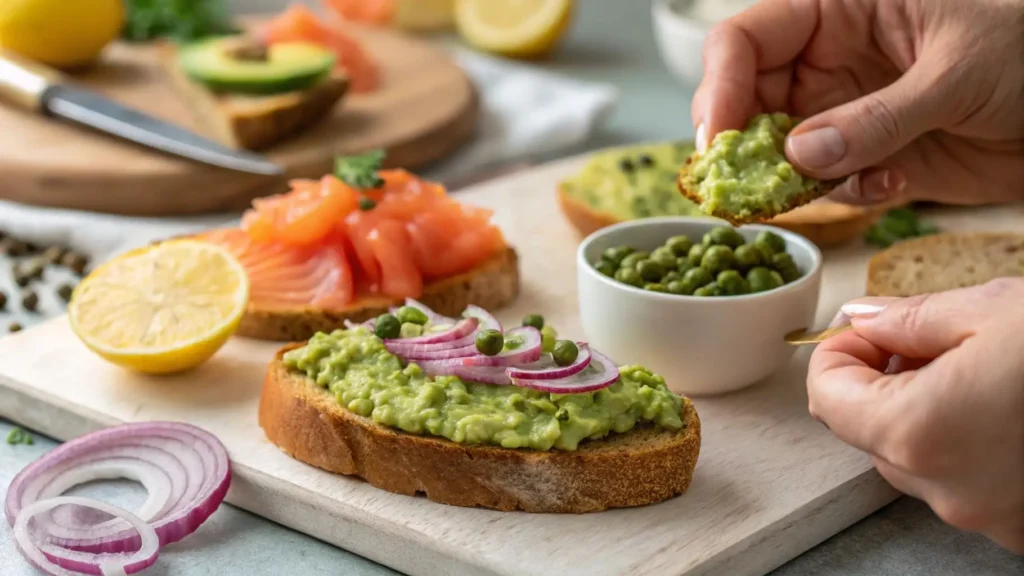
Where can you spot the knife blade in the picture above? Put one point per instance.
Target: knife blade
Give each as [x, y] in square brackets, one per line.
[40, 89]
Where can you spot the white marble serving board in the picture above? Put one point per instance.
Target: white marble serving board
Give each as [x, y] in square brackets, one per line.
[770, 483]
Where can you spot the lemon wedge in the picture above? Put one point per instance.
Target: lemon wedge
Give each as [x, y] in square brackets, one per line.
[66, 34]
[163, 308]
[514, 28]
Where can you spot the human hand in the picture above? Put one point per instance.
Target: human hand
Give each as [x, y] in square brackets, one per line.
[913, 99]
[932, 387]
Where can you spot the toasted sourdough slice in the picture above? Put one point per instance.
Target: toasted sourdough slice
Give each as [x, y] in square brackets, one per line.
[643, 466]
[491, 285]
[945, 262]
[825, 224]
[254, 122]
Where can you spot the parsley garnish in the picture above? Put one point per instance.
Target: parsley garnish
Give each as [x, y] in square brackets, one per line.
[181, 20]
[898, 224]
[360, 171]
[19, 436]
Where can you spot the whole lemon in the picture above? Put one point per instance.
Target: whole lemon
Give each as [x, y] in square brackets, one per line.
[62, 33]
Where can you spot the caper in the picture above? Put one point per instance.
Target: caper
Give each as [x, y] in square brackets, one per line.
[671, 276]
[679, 287]
[629, 276]
[664, 257]
[723, 235]
[535, 320]
[718, 258]
[65, 292]
[783, 262]
[747, 257]
[773, 240]
[679, 245]
[650, 270]
[695, 278]
[626, 165]
[565, 352]
[387, 327]
[29, 300]
[605, 267]
[645, 160]
[695, 254]
[633, 259]
[682, 265]
[777, 278]
[14, 327]
[366, 203]
[615, 254]
[764, 250]
[655, 287]
[411, 315]
[489, 342]
[708, 290]
[760, 279]
[732, 283]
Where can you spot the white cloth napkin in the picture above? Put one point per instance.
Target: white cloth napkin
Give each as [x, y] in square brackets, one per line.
[526, 111]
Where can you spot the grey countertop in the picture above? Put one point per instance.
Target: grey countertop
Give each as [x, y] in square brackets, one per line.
[610, 41]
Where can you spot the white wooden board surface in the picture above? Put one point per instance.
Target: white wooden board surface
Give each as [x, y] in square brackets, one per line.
[770, 483]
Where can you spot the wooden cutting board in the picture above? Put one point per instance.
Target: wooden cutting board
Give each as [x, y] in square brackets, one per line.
[770, 483]
[424, 109]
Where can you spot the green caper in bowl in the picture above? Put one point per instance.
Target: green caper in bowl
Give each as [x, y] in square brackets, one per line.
[720, 263]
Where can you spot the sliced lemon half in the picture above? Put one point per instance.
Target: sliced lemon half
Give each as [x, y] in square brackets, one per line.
[515, 28]
[163, 308]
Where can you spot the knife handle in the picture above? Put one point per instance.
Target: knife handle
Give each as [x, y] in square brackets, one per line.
[24, 82]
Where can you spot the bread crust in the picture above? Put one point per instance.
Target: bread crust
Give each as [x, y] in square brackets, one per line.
[643, 466]
[492, 285]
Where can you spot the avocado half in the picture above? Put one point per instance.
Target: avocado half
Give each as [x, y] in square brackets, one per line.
[232, 64]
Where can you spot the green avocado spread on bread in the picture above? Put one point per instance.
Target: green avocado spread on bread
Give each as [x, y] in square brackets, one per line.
[366, 379]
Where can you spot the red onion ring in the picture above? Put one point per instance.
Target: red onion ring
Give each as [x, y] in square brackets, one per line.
[528, 351]
[461, 329]
[433, 351]
[487, 321]
[600, 373]
[432, 317]
[546, 369]
[192, 462]
[57, 562]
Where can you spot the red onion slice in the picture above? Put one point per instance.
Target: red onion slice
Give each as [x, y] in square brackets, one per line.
[546, 369]
[461, 329]
[432, 317]
[527, 350]
[483, 374]
[487, 322]
[192, 461]
[431, 351]
[600, 373]
[57, 562]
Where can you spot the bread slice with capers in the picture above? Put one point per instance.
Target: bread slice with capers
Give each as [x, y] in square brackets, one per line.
[642, 466]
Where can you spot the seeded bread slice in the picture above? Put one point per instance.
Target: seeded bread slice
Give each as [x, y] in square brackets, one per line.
[945, 262]
[640, 467]
[491, 285]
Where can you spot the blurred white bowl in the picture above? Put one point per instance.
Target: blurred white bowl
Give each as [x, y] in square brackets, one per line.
[680, 27]
[701, 345]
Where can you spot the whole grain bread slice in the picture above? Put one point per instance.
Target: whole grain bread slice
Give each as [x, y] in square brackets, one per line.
[491, 285]
[945, 262]
[643, 466]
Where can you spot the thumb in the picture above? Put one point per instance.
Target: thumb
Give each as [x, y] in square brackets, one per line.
[862, 133]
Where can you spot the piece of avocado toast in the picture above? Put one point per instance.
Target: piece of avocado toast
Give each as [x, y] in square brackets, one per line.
[342, 402]
[254, 96]
[744, 177]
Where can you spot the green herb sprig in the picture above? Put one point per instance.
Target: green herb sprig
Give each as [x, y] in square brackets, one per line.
[19, 436]
[180, 20]
[360, 171]
[896, 225]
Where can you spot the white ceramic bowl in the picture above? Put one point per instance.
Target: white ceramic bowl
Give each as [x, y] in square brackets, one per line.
[701, 345]
[680, 39]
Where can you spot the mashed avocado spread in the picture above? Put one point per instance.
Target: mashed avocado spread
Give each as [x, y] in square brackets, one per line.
[746, 173]
[634, 181]
[368, 380]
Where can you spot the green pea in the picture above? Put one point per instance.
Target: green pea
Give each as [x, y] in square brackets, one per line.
[387, 326]
[709, 290]
[605, 267]
[535, 320]
[671, 276]
[411, 315]
[656, 287]
[777, 278]
[679, 245]
[776, 242]
[784, 264]
[629, 276]
[679, 287]
[718, 258]
[633, 259]
[747, 257]
[760, 279]
[723, 236]
[489, 342]
[565, 352]
[664, 257]
[695, 254]
[695, 278]
[548, 338]
[683, 264]
[615, 254]
[765, 250]
[650, 270]
[732, 283]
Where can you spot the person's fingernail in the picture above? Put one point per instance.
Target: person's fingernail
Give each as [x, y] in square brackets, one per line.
[817, 149]
[865, 307]
[701, 139]
[840, 319]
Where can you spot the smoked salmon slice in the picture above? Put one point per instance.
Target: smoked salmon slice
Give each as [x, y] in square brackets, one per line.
[303, 216]
[378, 12]
[298, 23]
[289, 276]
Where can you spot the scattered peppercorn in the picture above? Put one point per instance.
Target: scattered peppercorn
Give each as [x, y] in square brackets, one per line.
[20, 277]
[29, 300]
[3, 300]
[14, 327]
[16, 249]
[75, 262]
[65, 292]
[646, 160]
[626, 165]
[53, 254]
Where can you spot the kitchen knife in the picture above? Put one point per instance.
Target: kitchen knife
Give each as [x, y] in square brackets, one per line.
[37, 88]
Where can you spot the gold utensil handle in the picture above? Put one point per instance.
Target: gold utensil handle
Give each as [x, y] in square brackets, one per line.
[23, 82]
[801, 337]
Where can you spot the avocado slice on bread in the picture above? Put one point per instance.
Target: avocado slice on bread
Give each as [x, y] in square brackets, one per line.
[237, 64]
